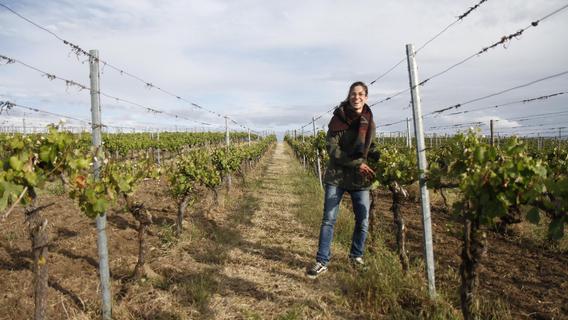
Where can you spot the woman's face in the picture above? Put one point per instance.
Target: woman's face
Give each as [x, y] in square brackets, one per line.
[357, 98]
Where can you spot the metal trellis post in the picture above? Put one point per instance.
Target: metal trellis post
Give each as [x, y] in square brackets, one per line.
[422, 166]
[227, 143]
[159, 150]
[492, 141]
[317, 154]
[408, 143]
[101, 219]
[303, 156]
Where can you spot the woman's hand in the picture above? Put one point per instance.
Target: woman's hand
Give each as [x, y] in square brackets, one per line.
[365, 170]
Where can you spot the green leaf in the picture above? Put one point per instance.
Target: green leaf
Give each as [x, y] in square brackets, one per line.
[492, 153]
[533, 215]
[10, 193]
[31, 178]
[480, 154]
[100, 206]
[494, 209]
[17, 144]
[397, 174]
[90, 195]
[540, 170]
[124, 186]
[83, 164]
[15, 163]
[3, 202]
[44, 153]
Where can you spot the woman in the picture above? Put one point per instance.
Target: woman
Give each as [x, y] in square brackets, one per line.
[349, 138]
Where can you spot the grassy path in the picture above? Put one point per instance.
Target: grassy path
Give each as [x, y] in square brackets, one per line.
[272, 252]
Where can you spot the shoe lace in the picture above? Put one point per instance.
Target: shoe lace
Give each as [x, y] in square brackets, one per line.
[317, 266]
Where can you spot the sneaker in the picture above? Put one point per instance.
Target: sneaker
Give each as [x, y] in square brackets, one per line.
[316, 270]
[357, 261]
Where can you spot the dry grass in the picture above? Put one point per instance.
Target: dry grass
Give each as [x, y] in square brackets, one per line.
[381, 290]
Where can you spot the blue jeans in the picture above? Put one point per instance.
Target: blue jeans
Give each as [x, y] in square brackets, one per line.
[361, 203]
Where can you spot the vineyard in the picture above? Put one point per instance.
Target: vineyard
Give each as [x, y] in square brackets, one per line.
[487, 189]
[210, 268]
[57, 166]
[179, 172]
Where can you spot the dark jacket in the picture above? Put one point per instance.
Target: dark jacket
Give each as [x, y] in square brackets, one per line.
[342, 168]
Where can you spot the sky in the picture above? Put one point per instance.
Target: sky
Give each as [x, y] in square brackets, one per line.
[273, 65]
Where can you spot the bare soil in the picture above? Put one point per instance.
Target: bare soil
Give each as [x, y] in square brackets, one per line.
[528, 278]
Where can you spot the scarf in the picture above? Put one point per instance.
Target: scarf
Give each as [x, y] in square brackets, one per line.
[344, 117]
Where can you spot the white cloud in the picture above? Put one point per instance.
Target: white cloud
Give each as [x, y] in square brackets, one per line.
[279, 63]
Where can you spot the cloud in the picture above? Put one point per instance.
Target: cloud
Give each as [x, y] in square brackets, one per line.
[279, 63]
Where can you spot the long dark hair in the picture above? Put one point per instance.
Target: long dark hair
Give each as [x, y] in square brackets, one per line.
[353, 85]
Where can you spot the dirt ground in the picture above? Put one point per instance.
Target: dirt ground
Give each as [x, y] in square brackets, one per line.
[245, 258]
[530, 279]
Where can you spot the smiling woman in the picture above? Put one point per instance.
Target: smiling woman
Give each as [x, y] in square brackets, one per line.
[358, 95]
[349, 140]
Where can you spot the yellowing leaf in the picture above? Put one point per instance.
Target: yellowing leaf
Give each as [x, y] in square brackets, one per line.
[15, 163]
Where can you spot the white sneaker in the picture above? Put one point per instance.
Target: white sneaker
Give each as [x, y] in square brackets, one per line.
[316, 270]
[357, 261]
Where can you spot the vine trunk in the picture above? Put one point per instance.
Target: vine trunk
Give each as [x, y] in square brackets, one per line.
[181, 211]
[469, 269]
[400, 227]
[37, 228]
